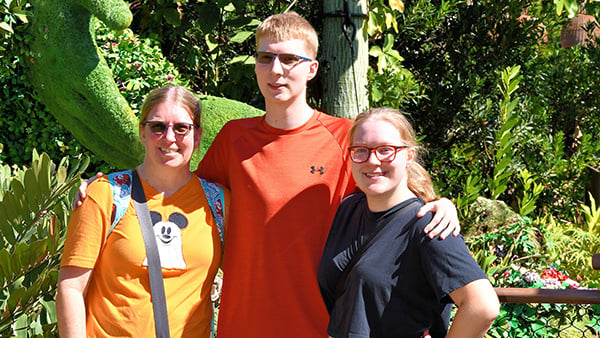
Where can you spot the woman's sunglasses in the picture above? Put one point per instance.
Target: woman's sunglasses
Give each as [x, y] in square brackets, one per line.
[159, 127]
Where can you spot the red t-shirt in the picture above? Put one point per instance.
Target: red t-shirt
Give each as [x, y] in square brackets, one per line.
[285, 188]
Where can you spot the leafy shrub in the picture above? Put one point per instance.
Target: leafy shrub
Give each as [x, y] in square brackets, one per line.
[209, 43]
[535, 161]
[565, 118]
[520, 241]
[34, 209]
[574, 243]
[137, 64]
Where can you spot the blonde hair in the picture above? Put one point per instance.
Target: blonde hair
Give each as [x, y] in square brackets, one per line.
[176, 95]
[419, 181]
[288, 26]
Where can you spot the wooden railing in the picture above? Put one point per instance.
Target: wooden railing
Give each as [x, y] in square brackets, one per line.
[528, 295]
[531, 312]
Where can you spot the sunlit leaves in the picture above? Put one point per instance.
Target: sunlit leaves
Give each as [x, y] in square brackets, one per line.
[33, 214]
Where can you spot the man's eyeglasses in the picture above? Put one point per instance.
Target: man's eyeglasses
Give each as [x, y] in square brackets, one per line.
[286, 59]
[159, 127]
[384, 153]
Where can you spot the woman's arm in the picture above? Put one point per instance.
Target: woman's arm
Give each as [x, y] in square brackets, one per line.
[70, 302]
[478, 306]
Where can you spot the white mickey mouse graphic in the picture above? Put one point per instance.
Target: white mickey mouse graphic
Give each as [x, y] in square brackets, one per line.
[168, 239]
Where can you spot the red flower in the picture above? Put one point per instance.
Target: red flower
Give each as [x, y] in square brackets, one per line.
[552, 273]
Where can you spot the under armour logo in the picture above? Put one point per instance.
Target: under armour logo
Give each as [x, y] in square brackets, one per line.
[314, 169]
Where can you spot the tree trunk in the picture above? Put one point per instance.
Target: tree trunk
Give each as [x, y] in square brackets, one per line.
[344, 66]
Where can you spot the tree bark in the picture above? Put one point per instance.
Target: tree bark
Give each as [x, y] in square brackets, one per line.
[344, 64]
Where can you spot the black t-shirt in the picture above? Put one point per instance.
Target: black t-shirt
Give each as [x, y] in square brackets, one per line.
[400, 286]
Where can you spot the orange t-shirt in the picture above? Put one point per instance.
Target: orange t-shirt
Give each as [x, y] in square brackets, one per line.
[285, 188]
[118, 299]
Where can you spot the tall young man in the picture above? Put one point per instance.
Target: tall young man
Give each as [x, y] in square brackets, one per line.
[287, 172]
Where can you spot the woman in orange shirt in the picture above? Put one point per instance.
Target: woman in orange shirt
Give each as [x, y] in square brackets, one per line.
[103, 287]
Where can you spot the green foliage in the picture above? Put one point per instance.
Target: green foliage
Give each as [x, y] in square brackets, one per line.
[137, 64]
[563, 113]
[570, 6]
[210, 43]
[512, 256]
[574, 243]
[391, 85]
[521, 320]
[489, 165]
[545, 320]
[542, 319]
[513, 242]
[531, 192]
[34, 210]
[14, 13]
[505, 140]
[526, 142]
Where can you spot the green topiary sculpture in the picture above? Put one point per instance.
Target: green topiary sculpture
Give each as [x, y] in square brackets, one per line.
[74, 82]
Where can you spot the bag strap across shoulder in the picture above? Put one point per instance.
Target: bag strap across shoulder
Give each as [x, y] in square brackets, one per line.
[341, 283]
[157, 287]
[216, 200]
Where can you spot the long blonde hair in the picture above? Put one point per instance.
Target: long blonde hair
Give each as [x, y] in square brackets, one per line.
[419, 181]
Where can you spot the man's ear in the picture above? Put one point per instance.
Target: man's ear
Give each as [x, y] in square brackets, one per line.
[313, 68]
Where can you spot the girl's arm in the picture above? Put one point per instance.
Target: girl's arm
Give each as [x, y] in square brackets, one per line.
[478, 307]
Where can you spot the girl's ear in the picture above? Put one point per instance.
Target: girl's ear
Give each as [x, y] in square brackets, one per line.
[410, 154]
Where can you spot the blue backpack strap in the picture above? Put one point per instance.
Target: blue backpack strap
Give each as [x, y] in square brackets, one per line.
[120, 184]
[216, 201]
